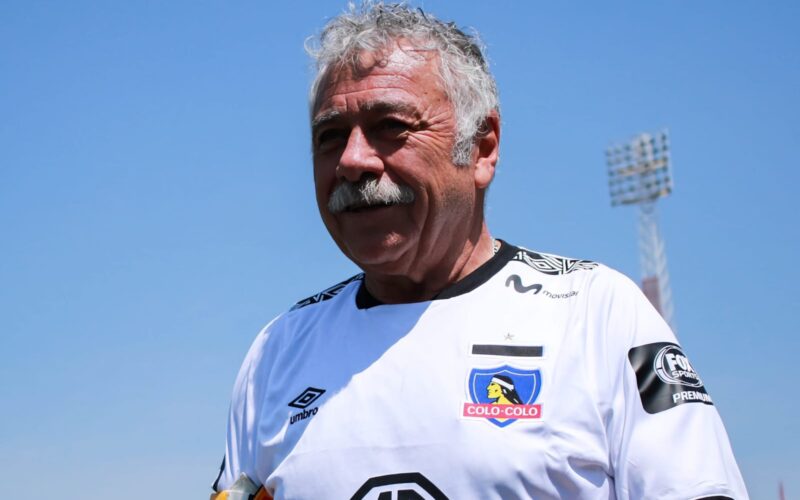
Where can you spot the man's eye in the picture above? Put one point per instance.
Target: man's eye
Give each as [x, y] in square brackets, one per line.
[330, 136]
[392, 127]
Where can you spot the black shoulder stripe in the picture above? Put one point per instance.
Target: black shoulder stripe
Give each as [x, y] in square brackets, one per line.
[715, 497]
[219, 476]
[328, 293]
[552, 264]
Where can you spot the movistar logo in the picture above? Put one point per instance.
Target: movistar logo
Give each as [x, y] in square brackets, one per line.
[517, 282]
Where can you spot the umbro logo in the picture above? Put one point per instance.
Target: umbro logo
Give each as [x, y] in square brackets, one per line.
[405, 486]
[303, 401]
[308, 396]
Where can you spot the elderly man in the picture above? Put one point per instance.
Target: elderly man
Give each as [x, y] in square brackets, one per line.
[457, 365]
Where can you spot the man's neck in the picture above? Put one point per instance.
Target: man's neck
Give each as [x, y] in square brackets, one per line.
[401, 289]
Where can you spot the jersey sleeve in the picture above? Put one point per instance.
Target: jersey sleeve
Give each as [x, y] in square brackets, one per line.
[666, 438]
[240, 448]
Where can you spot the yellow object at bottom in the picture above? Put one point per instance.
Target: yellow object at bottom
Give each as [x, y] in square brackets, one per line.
[261, 494]
[242, 489]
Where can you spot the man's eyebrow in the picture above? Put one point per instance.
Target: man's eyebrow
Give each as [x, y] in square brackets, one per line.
[325, 117]
[390, 107]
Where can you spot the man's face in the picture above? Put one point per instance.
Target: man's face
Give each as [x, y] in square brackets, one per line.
[392, 123]
[493, 391]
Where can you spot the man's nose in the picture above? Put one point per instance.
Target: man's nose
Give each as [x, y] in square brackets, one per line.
[358, 158]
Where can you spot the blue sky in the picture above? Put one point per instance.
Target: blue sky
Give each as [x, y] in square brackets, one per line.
[156, 209]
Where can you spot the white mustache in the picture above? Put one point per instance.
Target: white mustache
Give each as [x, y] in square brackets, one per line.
[367, 193]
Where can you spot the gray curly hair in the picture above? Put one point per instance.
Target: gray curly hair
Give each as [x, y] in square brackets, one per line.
[373, 26]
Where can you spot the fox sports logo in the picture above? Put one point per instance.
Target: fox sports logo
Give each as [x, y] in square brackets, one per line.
[673, 367]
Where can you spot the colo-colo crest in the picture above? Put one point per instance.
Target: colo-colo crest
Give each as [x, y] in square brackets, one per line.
[503, 395]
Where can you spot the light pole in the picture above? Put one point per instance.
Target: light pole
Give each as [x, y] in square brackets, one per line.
[639, 174]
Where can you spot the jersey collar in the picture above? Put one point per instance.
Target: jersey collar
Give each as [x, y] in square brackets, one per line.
[365, 300]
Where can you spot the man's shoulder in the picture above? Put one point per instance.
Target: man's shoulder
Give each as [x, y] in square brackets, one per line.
[297, 318]
[328, 293]
[552, 264]
[594, 279]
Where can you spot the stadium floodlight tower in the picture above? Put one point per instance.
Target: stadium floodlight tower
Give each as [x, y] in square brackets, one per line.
[639, 174]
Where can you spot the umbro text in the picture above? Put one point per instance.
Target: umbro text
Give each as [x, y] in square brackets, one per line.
[303, 415]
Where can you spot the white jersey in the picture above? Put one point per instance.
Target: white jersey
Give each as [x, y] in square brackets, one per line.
[536, 376]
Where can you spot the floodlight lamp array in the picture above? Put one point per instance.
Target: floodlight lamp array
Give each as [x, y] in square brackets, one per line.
[639, 171]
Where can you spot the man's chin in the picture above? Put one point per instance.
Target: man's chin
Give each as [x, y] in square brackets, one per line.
[381, 255]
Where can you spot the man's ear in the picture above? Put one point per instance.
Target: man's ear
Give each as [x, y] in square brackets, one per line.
[487, 150]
